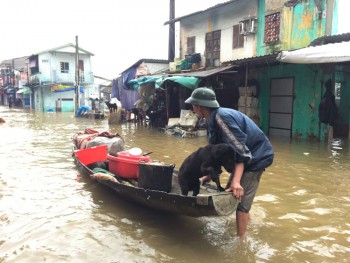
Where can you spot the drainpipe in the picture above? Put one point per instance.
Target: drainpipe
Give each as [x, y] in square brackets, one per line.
[331, 21]
[318, 4]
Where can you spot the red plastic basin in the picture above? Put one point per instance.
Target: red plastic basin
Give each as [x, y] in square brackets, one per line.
[126, 166]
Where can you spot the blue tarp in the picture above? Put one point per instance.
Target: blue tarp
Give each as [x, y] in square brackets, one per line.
[135, 83]
[82, 109]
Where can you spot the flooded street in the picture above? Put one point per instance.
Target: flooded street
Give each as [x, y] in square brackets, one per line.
[50, 213]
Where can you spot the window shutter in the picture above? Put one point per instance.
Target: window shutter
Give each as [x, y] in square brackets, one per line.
[235, 36]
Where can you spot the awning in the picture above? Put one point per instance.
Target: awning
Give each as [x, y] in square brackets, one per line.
[25, 90]
[135, 83]
[188, 82]
[329, 53]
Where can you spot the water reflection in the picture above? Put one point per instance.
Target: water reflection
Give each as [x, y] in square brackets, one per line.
[50, 213]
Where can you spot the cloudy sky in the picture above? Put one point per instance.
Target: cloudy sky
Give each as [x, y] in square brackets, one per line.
[118, 32]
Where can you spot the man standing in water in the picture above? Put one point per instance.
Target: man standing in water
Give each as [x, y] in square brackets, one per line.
[254, 151]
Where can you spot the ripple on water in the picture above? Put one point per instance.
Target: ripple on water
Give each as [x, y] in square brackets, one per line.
[294, 216]
[267, 198]
[319, 211]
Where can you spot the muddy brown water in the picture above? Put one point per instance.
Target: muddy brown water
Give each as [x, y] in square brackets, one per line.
[50, 213]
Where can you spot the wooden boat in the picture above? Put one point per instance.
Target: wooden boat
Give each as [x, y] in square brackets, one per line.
[209, 202]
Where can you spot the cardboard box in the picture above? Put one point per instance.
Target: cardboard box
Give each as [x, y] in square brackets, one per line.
[173, 121]
[188, 118]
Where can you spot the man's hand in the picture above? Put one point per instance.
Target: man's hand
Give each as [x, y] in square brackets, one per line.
[236, 189]
[204, 179]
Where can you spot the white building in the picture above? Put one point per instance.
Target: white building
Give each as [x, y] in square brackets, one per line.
[221, 33]
[53, 78]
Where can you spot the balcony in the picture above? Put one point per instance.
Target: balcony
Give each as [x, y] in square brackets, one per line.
[67, 77]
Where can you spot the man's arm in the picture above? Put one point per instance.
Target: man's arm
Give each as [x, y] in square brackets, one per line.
[235, 187]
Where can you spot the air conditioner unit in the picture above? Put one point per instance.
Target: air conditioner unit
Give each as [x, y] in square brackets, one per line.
[242, 28]
[252, 27]
[248, 26]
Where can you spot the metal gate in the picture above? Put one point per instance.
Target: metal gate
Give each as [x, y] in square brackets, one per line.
[281, 107]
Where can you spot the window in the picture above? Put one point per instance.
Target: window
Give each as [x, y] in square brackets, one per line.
[64, 67]
[81, 71]
[272, 27]
[238, 39]
[212, 48]
[191, 45]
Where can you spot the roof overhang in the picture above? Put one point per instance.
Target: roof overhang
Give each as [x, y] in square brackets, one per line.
[256, 61]
[205, 73]
[199, 12]
[329, 53]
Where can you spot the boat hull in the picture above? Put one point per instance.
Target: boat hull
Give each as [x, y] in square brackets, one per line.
[208, 203]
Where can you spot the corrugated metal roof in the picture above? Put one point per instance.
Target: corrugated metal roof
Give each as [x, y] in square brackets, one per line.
[330, 39]
[328, 53]
[256, 60]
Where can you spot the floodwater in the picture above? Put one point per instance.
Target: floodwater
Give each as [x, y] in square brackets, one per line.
[50, 213]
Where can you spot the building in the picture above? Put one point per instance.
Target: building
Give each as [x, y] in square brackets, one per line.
[13, 81]
[281, 97]
[54, 76]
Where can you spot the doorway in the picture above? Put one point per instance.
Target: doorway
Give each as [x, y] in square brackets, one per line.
[281, 107]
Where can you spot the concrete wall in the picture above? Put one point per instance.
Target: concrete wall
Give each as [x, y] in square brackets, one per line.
[308, 90]
[219, 19]
[155, 68]
[50, 68]
[299, 25]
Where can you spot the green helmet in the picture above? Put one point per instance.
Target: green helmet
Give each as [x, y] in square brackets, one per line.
[203, 97]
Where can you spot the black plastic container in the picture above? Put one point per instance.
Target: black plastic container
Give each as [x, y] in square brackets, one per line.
[155, 176]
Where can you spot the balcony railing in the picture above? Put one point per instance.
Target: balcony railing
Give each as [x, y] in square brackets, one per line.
[67, 77]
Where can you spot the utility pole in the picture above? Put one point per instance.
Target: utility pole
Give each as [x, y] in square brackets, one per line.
[171, 49]
[76, 75]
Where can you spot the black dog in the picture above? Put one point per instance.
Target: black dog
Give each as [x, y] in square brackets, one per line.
[112, 106]
[206, 160]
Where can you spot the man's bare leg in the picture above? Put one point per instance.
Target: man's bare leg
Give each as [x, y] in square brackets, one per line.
[242, 223]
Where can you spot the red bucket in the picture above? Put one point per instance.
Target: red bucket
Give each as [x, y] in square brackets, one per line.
[126, 166]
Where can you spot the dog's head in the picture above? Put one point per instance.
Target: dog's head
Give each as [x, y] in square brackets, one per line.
[224, 155]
